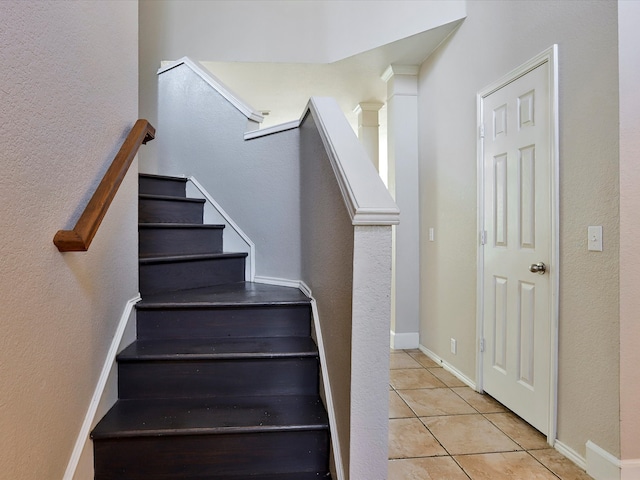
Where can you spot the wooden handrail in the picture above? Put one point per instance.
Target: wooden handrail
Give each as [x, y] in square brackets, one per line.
[79, 239]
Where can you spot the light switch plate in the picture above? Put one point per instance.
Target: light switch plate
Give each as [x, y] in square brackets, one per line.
[431, 234]
[594, 238]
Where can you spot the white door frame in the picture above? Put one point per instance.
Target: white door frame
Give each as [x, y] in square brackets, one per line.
[549, 56]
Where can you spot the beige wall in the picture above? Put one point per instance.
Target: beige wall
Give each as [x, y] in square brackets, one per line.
[495, 38]
[68, 89]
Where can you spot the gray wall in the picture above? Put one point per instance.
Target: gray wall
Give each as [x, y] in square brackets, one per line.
[69, 83]
[496, 37]
[327, 268]
[200, 134]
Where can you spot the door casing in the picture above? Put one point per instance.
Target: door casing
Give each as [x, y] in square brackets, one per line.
[549, 56]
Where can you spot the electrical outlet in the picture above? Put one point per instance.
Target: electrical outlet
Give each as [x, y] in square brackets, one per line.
[454, 346]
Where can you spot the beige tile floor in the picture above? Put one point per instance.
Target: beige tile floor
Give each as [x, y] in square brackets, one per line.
[441, 429]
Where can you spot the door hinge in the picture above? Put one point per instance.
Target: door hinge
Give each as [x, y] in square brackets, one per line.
[481, 345]
[481, 130]
[483, 237]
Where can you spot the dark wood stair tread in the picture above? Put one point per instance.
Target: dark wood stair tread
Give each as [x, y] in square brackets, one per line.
[219, 415]
[150, 196]
[185, 226]
[163, 177]
[278, 476]
[161, 185]
[232, 294]
[218, 348]
[156, 259]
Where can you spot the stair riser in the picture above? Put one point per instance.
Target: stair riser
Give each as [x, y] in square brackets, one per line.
[162, 186]
[182, 388]
[169, 211]
[166, 241]
[241, 322]
[207, 456]
[201, 378]
[182, 275]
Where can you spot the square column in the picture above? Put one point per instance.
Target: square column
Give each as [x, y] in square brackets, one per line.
[369, 129]
[402, 128]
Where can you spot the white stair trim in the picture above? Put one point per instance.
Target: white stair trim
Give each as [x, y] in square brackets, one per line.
[366, 198]
[263, 132]
[107, 367]
[280, 282]
[248, 111]
[251, 263]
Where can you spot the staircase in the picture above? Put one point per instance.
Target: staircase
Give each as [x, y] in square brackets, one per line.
[223, 379]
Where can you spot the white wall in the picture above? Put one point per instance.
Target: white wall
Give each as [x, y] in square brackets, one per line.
[496, 37]
[278, 31]
[284, 31]
[69, 82]
[628, 40]
[355, 27]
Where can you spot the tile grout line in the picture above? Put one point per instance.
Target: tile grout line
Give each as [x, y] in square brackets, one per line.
[477, 412]
[552, 472]
[484, 415]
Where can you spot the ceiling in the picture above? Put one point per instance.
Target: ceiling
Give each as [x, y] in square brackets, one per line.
[283, 89]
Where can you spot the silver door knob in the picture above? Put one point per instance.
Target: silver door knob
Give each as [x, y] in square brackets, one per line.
[540, 268]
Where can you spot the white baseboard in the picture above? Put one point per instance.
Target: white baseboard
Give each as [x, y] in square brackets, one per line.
[448, 367]
[109, 364]
[404, 341]
[630, 469]
[571, 454]
[281, 282]
[601, 465]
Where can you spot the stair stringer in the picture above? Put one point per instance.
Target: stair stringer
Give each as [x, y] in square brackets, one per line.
[235, 239]
[326, 387]
[325, 384]
[103, 398]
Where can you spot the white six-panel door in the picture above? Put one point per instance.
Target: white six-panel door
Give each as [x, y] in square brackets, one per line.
[517, 345]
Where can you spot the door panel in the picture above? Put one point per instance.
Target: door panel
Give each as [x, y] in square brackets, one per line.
[516, 327]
